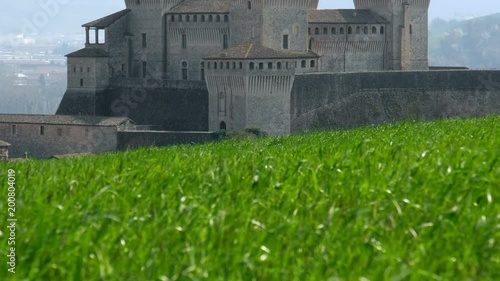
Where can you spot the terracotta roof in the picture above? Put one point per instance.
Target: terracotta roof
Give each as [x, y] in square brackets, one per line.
[62, 120]
[201, 6]
[250, 50]
[107, 20]
[2, 143]
[345, 16]
[88, 53]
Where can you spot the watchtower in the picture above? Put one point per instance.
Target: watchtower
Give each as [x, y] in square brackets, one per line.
[407, 31]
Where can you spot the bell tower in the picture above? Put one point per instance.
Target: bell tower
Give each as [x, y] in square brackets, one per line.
[407, 32]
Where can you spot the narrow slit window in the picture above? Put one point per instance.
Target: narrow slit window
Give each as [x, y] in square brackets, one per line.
[285, 42]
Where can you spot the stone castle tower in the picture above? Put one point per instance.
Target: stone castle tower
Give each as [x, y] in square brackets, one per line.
[407, 31]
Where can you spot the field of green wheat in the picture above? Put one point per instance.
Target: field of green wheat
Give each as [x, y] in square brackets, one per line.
[410, 201]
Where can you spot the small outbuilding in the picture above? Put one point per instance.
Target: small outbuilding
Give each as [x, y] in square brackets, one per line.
[4, 151]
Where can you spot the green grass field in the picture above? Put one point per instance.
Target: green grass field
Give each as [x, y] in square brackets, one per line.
[412, 201]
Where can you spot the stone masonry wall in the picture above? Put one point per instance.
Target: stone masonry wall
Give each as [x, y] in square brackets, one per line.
[348, 100]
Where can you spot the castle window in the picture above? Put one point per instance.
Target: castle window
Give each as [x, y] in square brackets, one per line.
[228, 66]
[74, 69]
[316, 31]
[221, 64]
[261, 65]
[195, 18]
[225, 41]
[310, 44]
[184, 41]
[210, 18]
[203, 18]
[202, 74]
[269, 65]
[88, 69]
[138, 2]
[123, 67]
[188, 18]
[252, 66]
[313, 63]
[358, 30]
[342, 30]
[101, 36]
[303, 64]
[241, 65]
[325, 30]
[309, 31]
[249, 5]
[365, 30]
[222, 104]
[14, 129]
[374, 30]
[349, 30]
[381, 30]
[144, 69]
[226, 18]
[287, 66]
[144, 40]
[208, 65]
[217, 18]
[215, 65]
[411, 29]
[42, 130]
[180, 18]
[234, 65]
[285, 42]
[223, 125]
[81, 82]
[334, 30]
[172, 18]
[278, 65]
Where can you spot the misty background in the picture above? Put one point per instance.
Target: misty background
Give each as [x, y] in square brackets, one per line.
[36, 34]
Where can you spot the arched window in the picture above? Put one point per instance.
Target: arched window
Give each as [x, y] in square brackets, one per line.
[222, 105]
[316, 31]
[188, 18]
[217, 18]
[278, 65]
[210, 18]
[249, 5]
[227, 65]
[195, 18]
[241, 65]
[310, 44]
[382, 30]
[325, 30]
[349, 30]
[221, 64]
[252, 66]
[215, 65]
[234, 65]
[223, 125]
[203, 18]
[172, 18]
[303, 64]
[365, 30]
[313, 63]
[334, 30]
[358, 30]
[269, 65]
[342, 30]
[261, 65]
[374, 30]
[180, 17]
[226, 18]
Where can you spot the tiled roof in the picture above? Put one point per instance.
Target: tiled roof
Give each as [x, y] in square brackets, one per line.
[250, 50]
[62, 120]
[107, 20]
[2, 143]
[345, 16]
[88, 53]
[201, 6]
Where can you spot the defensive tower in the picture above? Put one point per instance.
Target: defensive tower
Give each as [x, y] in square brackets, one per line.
[407, 32]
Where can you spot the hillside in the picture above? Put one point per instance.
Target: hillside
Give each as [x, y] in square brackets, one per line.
[412, 201]
[473, 43]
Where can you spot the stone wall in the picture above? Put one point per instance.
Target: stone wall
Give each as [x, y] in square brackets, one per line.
[138, 139]
[348, 100]
[57, 139]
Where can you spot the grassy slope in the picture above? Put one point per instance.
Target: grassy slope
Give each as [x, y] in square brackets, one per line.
[414, 201]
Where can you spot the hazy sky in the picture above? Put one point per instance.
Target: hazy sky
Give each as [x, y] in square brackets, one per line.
[70, 14]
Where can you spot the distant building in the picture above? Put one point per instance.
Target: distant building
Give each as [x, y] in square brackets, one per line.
[42, 136]
[4, 151]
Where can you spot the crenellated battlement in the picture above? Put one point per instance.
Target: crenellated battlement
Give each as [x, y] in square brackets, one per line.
[151, 4]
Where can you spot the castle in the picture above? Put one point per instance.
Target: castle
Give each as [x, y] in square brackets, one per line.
[247, 53]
